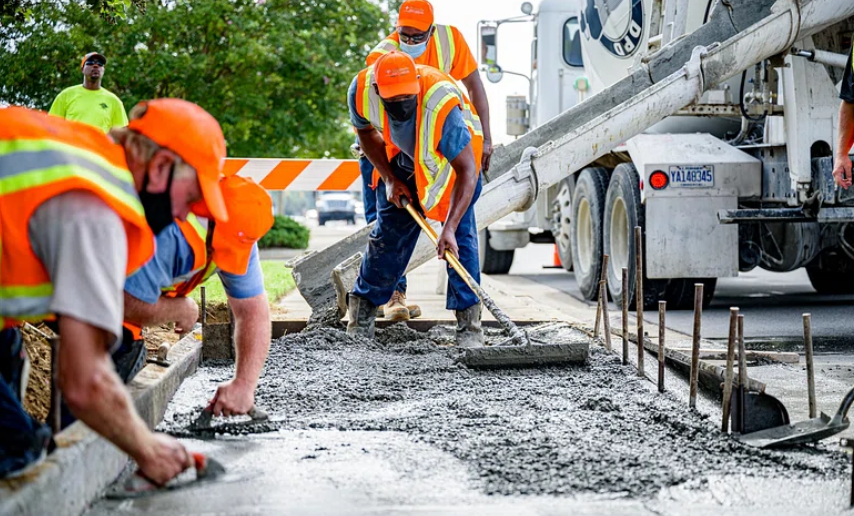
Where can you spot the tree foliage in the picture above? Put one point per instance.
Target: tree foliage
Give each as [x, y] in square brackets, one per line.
[274, 72]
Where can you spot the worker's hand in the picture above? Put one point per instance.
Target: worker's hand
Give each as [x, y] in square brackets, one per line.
[842, 172]
[186, 315]
[447, 241]
[232, 398]
[394, 190]
[487, 155]
[163, 459]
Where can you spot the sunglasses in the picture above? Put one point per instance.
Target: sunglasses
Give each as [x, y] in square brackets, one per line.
[98, 62]
[415, 38]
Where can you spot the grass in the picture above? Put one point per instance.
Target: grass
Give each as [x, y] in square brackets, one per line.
[277, 280]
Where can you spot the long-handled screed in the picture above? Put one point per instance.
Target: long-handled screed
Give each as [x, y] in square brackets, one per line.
[519, 349]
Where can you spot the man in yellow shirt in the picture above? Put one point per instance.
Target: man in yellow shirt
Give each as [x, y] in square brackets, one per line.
[89, 102]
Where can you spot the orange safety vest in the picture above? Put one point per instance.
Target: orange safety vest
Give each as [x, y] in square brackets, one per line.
[442, 50]
[199, 238]
[438, 95]
[42, 157]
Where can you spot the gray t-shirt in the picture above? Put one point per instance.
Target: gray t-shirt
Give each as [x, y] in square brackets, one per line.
[81, 242]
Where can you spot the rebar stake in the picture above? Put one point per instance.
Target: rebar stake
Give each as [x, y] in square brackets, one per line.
[639, 294]
[695, 344]
[603, 304]
[848, 443]
[662, 311]
[625, 307]
[810, 365]
[55, 416]
[603, 276]
[730, 361]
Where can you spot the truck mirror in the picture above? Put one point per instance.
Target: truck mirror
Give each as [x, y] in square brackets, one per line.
[494, 74]
[488, 33]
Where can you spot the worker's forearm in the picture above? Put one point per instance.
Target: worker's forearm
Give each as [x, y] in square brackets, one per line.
[373, 146]
[464, 187]
[164, 311]
[253, 331]
[477, 94]
[846, 130]
[93, 390]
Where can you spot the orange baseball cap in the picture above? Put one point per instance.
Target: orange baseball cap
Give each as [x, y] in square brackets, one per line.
[251, 210]
[395, 75]
[417, 14]
[195, 135]
[91, 55]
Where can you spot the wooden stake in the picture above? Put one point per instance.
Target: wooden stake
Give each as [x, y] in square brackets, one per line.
[730, 360]
[625, 307]
[695, 348]
[55, 414]
[738, 426]
[639, 294]
[603, 276]
[662, 330]
[603, 304]
[810, 365]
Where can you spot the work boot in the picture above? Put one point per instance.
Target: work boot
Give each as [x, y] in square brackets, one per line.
[396, 310]
[469, 331]
[363, 315]
[414, 311]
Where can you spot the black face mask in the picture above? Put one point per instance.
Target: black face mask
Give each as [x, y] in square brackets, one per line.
[158, 207]
[403, 110]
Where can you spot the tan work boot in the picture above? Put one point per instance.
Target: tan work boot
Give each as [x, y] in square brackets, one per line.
[396, 309]
[414, 311]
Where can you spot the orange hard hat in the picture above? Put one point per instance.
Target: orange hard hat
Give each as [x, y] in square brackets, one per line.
[395, 75]
[195, 135]
[91, 55]
[417, 14]
[251, 217]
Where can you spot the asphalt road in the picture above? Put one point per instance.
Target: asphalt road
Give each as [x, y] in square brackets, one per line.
[772, 303]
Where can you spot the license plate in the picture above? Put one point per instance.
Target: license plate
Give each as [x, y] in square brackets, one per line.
[692, 177]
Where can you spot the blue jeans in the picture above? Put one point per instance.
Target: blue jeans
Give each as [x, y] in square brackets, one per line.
[369, 197]
[393, 240]
[22, 438]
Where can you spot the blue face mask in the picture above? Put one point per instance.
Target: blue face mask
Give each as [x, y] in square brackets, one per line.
[414, 51]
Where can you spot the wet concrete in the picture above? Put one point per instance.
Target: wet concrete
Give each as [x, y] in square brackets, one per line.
[588, 430]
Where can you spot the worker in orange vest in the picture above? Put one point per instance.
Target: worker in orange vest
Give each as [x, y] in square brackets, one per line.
[188, 253]
[78, 213]
[425, 140]
[442, 47]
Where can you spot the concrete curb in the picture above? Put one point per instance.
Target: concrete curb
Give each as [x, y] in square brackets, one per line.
[84, 463]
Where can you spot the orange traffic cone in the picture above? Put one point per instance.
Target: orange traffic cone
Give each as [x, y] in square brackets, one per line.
[555, 261]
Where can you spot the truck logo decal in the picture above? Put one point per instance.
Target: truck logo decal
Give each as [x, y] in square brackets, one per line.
[622, 42]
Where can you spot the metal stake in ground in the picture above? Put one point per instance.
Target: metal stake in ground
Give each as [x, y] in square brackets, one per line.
[848, 443]
[625, 303]
[810, 365]
[662, 310]
[730, 359]
[738, 424]
[55, 417]
[695, 344]
[603, 304]
[639, 294]
[602, 277]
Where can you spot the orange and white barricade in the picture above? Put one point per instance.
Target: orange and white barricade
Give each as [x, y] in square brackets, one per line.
[298, 174]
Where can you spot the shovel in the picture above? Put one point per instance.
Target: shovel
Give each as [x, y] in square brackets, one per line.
[519, 350]
[136, 486]
[809, 431]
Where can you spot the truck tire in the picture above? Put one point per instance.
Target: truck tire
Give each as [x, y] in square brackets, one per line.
[562, 222]
[624, 211]
[832, 273]
[680, 292]
[588, 208]
[491, 260]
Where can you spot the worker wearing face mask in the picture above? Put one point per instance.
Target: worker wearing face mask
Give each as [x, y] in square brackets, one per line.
[442, 47]
[422, 135]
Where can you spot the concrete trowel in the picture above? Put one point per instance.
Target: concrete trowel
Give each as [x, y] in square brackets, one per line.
[202, 424]
[205, 469]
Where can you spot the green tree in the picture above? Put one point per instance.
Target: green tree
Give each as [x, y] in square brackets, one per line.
[274, 73]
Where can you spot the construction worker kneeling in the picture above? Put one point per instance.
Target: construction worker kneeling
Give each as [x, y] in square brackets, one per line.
[425, 140]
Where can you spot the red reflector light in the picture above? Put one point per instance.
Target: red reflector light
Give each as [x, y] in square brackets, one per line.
[658, 180]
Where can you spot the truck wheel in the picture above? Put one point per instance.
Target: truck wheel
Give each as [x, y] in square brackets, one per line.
[562, 222]
[624, 211]
[588, 207]
[680, 292]
[833, 274]
[491, 260]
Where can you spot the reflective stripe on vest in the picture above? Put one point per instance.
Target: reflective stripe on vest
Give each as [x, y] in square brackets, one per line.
[370, 98]
[438, 167]
[199, 252]
[30, 164]
[443, 43]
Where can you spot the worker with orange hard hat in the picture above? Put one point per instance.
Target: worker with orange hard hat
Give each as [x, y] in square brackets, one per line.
[442, 47]
[78, 212]
[188, 253]
[425, 139]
